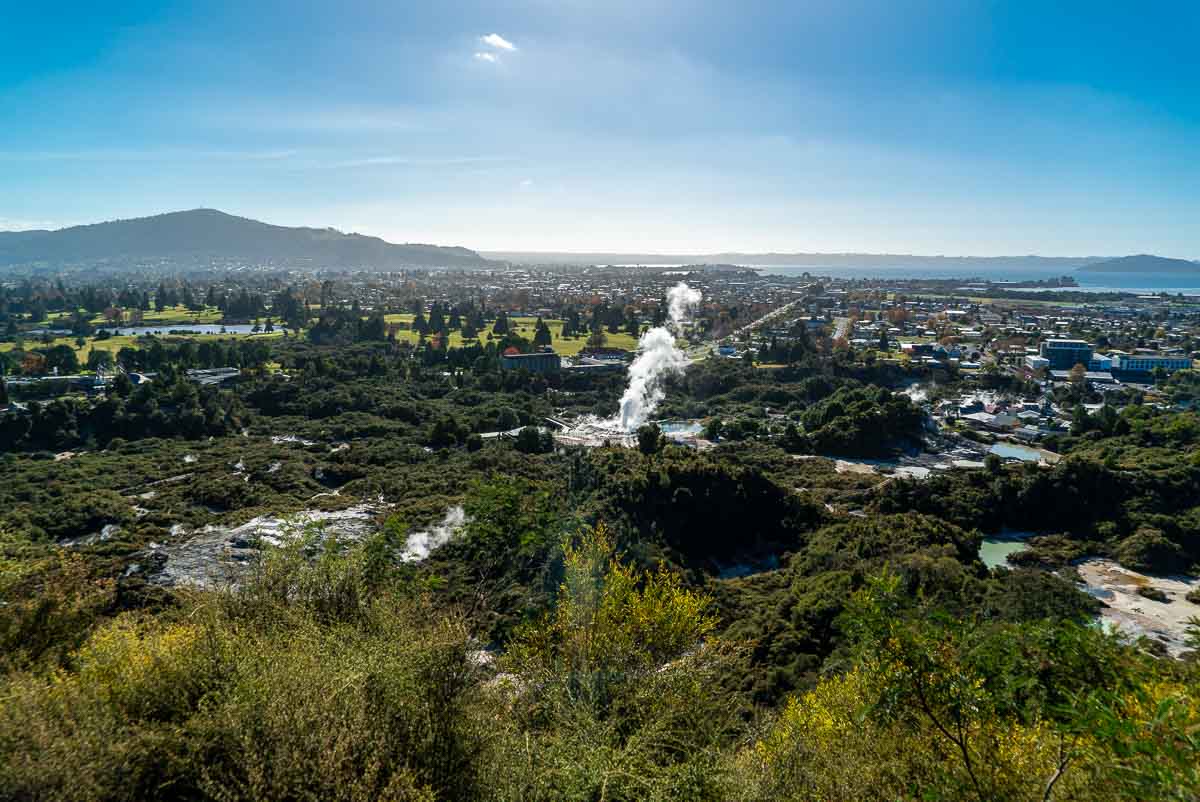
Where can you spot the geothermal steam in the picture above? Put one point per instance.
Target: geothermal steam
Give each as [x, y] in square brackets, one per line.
[419, 544]
[657, 358]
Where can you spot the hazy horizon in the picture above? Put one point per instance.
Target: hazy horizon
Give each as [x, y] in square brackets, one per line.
[677, 127]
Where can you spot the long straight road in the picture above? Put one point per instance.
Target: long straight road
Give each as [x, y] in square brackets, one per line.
[783, 310]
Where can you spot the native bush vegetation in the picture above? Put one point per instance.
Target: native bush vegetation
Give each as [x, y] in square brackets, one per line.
[740, 623]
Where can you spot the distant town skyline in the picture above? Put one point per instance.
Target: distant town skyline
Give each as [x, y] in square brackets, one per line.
[931, 127]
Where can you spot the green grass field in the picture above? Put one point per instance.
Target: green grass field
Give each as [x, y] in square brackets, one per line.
[177, 314]
[115, 344]
[524, 327]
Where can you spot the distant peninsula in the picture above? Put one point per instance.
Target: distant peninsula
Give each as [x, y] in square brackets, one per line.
[1143, 263]
[816, 261]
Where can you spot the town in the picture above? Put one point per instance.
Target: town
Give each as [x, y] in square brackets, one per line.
[1017, 365]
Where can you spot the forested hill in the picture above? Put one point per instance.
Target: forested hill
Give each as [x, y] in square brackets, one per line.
[1143, 263]
[201, 235]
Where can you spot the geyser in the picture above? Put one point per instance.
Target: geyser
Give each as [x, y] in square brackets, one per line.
[657, 358]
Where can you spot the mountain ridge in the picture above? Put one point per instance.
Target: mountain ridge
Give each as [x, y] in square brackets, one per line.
[196, 235]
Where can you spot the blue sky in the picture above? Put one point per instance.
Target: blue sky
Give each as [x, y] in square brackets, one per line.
[670, 125]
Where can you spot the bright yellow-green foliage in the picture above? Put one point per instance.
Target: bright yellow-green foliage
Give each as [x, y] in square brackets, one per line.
[933, 710]
[254, 695]
[139, 671]
[49, 600]
[826, 746]
[325, 675]
[618, 695]
[608, 612]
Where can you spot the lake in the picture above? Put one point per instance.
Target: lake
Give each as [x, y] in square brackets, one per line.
[1088, 282]
[188, 328]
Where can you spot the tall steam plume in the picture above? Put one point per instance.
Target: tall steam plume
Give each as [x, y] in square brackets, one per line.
[657, 358]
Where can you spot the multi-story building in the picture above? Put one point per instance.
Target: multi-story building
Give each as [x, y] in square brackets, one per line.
[1066, 354]
[1144, 363]
[538, 362]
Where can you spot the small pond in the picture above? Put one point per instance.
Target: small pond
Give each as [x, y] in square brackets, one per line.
[996, 549]
[1024, 453]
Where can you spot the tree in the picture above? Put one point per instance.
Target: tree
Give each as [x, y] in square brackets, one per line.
[597, 339]
[1078, 374]
[4, 401]
[374, 328]
[99, 359]
[532, 440]
[650, 439]
[437, 319]
[507, 419]
[1081, 421]
[500, 327]
[122, 386]
[541, 333]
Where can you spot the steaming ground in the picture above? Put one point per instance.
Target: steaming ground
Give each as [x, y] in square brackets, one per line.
[657, 358]
[420, 544]
[215, 555]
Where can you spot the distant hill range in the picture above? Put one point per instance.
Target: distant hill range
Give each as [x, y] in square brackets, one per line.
[205, 236]
[813, 260]
[1143, 263]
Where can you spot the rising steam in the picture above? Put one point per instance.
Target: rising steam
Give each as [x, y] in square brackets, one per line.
[657, 358]
[419, 544]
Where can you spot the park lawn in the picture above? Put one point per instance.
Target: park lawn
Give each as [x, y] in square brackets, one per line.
[115, 344]
[181, 314]
[112, 344]
[177, 314]
[524, 326]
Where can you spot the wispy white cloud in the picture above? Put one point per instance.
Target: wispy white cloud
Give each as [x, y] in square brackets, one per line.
[526, 183]
[147, 155]
[491, 58]
[404, 161]
[11, 224]
[498, 42]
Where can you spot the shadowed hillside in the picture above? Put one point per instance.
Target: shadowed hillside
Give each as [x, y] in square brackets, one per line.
[206, 234]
